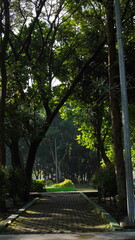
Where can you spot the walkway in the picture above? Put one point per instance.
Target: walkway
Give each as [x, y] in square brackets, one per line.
[59, 213]
[62, 216]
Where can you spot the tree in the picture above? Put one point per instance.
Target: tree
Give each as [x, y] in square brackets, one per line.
[94, 126]
[73, 160]
[57, 40]
[4, 36]
[115, 108]
[38, 63]
[115, 102]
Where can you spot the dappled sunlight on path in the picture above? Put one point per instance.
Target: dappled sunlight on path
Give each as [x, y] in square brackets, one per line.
[59, 213]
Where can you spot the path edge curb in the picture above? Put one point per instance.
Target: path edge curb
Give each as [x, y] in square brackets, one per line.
[12, 217]
[114, 224]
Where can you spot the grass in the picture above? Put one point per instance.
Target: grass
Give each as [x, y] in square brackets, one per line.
[60, 189]
[81, 187]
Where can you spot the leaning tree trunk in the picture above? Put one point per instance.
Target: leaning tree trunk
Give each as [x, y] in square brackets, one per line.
[29, 167]
[115, 108]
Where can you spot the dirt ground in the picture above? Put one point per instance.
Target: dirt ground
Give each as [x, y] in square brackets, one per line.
[112, 208]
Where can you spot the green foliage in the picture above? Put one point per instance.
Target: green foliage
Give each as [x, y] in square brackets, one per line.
[37, 185]
[12, 184]
[16, 184]
[74, 160]
[49, 183]
[65, 183]
[3, 185]
[94, 125]
[58, 46]
[105, 181]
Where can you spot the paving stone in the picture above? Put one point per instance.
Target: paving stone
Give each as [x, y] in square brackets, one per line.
[59, 212]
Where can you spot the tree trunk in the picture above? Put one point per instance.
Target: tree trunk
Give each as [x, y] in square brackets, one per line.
[115, 108]
[100, 143]
[29, 167]
[15, 154]
[2, 110]
[3, 77]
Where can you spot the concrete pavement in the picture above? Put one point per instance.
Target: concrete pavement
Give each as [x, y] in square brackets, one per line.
[76, 236]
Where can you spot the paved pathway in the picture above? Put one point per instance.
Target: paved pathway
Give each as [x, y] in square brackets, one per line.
[59, 216]
[59, 213]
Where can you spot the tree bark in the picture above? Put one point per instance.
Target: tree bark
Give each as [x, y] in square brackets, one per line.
[15, 154]
[29, 167]
[3, 76]
[2, 109]
[115, 107]
[100, 142]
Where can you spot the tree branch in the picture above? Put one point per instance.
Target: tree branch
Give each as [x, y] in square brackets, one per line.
[31, 28]
[78, 78]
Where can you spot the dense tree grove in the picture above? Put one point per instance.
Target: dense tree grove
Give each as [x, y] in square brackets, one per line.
[74, 161]
[62, 56]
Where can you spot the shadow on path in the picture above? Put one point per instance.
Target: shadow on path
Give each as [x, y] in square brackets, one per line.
[59, 213]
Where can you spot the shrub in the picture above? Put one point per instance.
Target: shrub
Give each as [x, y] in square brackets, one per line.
[105, 180]
[37, 185]
[65, 183]
[49, 183]
[16, 184]
[3, 188]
